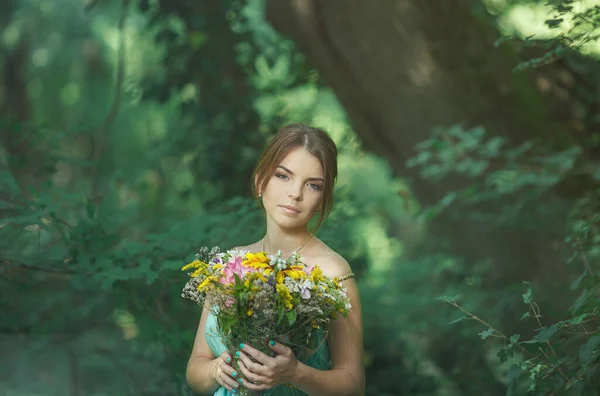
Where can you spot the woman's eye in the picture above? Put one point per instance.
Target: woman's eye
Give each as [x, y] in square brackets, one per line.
[281, 176]
[315, 186]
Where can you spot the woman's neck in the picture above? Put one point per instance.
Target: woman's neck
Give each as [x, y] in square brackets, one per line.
[285, 241]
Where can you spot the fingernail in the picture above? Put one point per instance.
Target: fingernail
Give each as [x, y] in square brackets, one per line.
[236, 384]
[237, 353]
[234, 390]
[234, 373]
[242, 346]
[272, 342]
[228, 360]
[240, 380]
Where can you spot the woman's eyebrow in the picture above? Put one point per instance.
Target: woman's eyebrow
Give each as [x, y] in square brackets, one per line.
[292, 173]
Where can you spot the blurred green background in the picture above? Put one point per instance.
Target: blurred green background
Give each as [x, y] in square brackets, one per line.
[468, 200]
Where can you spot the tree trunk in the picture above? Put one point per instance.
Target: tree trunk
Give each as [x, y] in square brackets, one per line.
[401, 68]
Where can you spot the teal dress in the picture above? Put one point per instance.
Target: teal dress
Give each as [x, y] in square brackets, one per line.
[320, 359]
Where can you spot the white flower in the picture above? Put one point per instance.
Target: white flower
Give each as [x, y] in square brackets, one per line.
[292, 285]
[307, 284]
[238, 252]
[278, 261]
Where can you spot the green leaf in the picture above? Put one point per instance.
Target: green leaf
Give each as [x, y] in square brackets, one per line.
[515, 338]
[546, 333]
[502, 355]
[458, 320]
[577, 282]
[589, 351]
[581, 300]
[151, 276]
[578, 319]
[554, 23]
[526, 315]
[528, 296]
[486, 333]
[291, 316]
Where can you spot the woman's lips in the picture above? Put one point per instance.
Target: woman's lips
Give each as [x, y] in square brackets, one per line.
[289, 209]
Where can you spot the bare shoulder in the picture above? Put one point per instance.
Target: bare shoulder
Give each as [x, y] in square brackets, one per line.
[330, 261]
[253, 247]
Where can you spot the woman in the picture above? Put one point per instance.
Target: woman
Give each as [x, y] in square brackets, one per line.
[294, 181]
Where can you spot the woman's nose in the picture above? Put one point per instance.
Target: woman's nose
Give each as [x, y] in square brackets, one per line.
[295, 192]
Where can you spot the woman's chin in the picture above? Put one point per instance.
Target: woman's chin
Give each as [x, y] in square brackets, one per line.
[287, 222]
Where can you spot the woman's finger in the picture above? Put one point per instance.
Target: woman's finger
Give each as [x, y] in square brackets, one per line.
[249, 375]
[255, 354]
[256, 368]
[254, 387]
[279, 348]
[226, 357]
[227, 377]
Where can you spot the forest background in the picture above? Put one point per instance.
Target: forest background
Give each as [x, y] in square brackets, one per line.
[468, 200]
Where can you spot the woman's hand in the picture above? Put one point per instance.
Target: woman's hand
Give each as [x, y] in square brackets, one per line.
[266, 372]
[224, 374]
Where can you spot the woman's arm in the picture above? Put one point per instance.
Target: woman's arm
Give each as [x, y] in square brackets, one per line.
[205, 373]
[347, 375]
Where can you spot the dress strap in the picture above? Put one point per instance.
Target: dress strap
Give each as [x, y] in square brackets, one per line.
[345, 277]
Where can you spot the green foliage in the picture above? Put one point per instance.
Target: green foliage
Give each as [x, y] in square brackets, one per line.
[128, 145]
[583, 22]
[518, 175]
[520, 183]
[92, 239]
[562, 356]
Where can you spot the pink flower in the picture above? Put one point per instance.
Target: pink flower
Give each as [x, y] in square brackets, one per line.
[308, 269]
[229, 302]
[234, 267]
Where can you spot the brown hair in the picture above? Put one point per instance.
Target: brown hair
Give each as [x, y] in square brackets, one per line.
[317, 142]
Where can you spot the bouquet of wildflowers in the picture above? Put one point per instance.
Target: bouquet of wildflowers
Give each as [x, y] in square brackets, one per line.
[256, 298]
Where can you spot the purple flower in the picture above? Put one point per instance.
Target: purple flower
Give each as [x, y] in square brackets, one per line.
[305, 293]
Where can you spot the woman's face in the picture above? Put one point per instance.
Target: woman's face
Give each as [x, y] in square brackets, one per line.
[295, 191]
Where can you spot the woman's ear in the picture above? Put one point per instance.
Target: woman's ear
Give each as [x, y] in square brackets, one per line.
[256, 186]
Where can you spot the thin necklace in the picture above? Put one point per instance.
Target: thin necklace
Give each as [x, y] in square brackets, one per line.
[295, 251]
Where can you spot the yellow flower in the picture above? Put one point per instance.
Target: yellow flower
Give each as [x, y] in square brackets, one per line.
[279, 277]
[206, 282]
[317, 275]
[257, 257]
[294, 274]
[256, 260]
[194, 264]
[285, 295]
[249, 312]
[260, 276]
